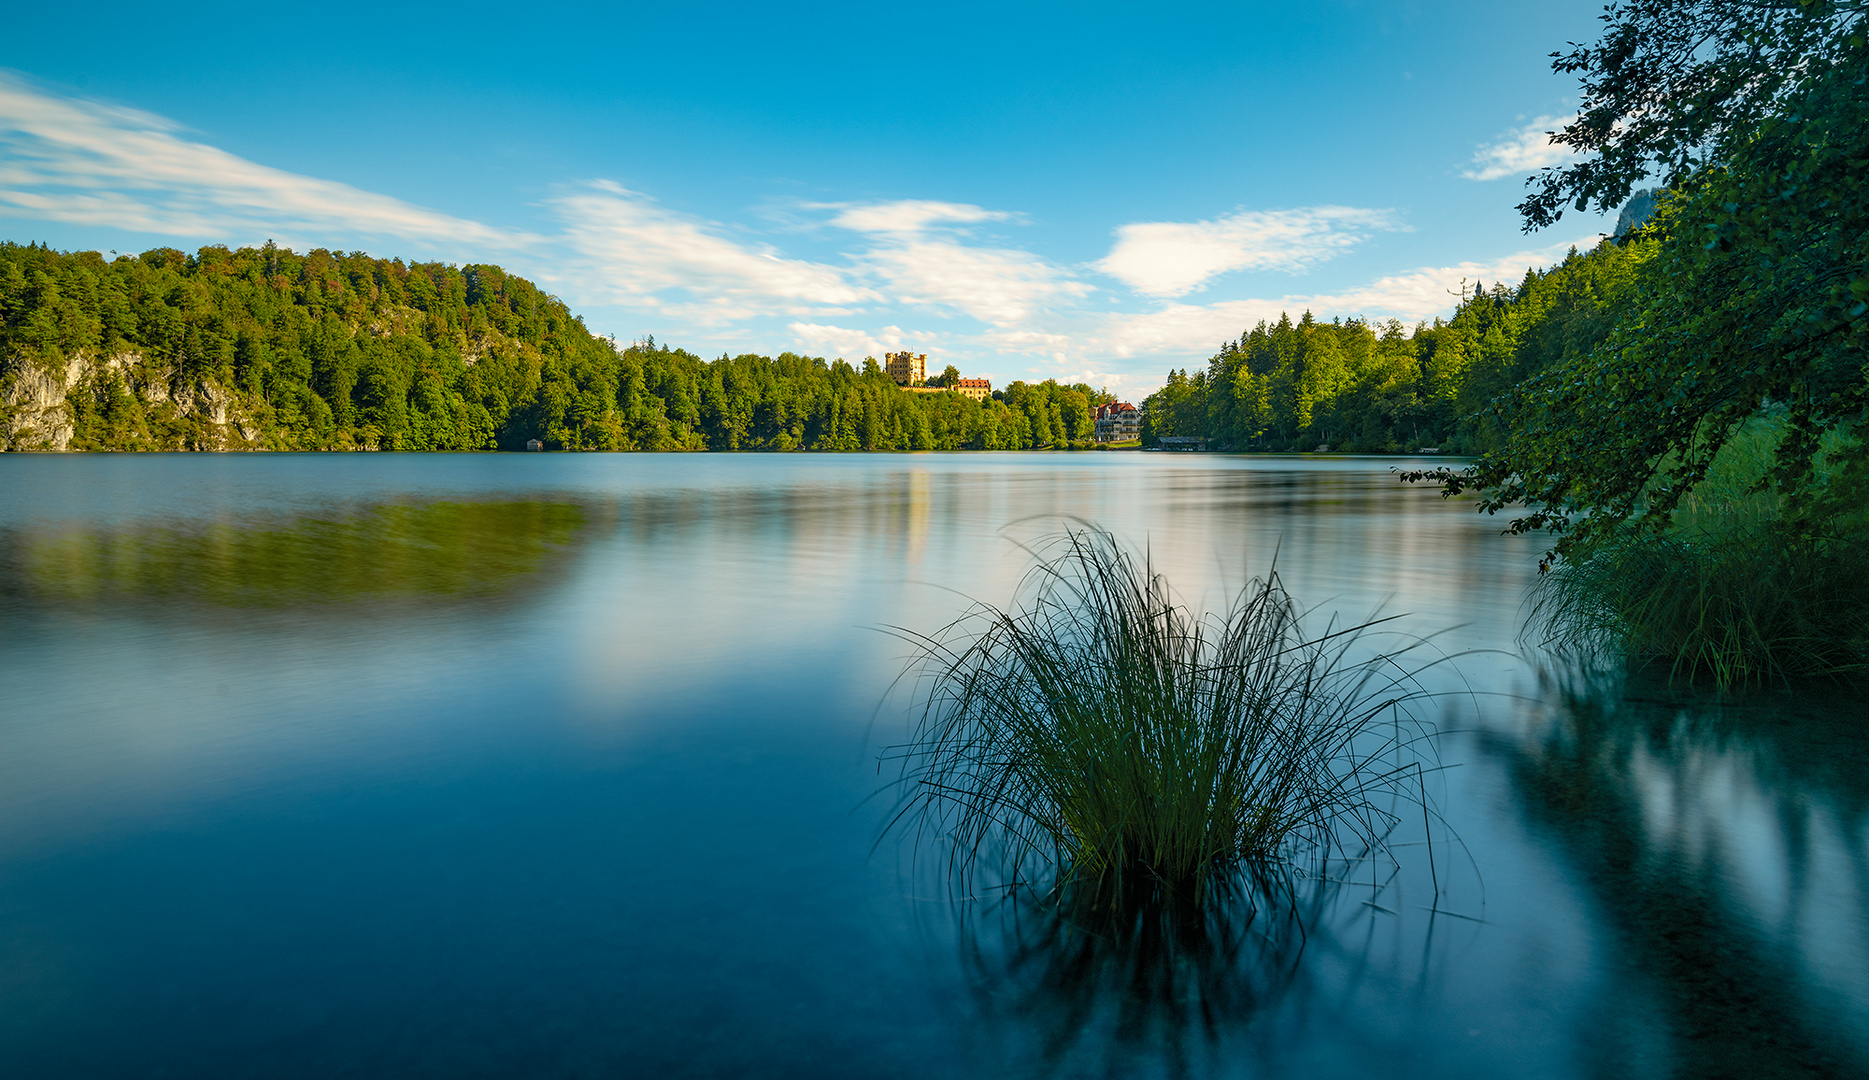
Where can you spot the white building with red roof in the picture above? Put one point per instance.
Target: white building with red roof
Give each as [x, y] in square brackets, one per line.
[1119, 421]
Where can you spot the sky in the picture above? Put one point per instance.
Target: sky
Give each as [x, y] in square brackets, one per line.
[1094, 193]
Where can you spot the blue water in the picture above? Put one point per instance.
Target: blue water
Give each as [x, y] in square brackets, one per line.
[307, 771]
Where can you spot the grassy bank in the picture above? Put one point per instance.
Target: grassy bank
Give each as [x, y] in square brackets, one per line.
[1740, 591]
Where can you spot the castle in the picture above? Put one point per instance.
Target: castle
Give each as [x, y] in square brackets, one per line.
[907, 369]
[910, 371]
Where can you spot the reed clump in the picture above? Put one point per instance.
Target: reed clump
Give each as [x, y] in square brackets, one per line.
[1736, 593]
[1104, 744]
[1734, 609]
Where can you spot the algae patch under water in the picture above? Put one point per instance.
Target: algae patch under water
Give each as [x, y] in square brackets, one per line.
[438, 549]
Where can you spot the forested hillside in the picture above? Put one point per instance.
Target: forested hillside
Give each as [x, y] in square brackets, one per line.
[1381, 388]
[265, 348]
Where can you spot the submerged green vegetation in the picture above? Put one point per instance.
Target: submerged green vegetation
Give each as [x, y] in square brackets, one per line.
[1107, 746]
[268, 349]
[432, 550]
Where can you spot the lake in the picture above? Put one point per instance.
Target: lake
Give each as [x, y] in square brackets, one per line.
[572, 765]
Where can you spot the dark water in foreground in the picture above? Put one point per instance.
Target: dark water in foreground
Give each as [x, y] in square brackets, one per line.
[548, 765]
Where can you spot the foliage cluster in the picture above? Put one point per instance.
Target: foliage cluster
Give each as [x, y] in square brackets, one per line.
[1674, 86]
[1608, 396]
[1755, 302]
[1742, 350]
[328, 351]
[1719, 607]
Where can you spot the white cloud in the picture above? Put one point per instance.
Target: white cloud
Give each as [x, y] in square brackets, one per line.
[633, 250]
[1127, 386]
[1190, 329]
[999, 286]
[919, 262]
[911, 216]
[1055, 346]
[1522, 152]
[848, 344]
[86, 163]
[1425, 293]
[1178, 329]
[1173, 258]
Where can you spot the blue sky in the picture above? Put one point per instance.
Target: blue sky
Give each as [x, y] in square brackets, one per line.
[1084, 192]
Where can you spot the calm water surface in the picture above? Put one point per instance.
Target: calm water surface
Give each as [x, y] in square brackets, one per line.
[562, 766]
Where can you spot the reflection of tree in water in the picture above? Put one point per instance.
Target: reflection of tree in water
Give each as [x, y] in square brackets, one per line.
[441, 549]
[1153, 991]
[1659, 809]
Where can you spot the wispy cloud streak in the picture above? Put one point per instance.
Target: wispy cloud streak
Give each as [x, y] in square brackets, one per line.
[633, 251]
[849, 344]
[1002, 287]
[1522, 152]
[86, 163]
[1174, 258]
[919, 256]
[910, 216]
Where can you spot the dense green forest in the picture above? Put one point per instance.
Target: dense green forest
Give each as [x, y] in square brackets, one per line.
[265, 348]
[1355, 386]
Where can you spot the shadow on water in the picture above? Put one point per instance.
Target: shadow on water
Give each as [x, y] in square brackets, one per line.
[1063, 988]
[1724, 850]
[466, 550]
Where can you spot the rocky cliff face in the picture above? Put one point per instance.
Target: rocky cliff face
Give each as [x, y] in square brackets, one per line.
[32, 403]
[38, 412]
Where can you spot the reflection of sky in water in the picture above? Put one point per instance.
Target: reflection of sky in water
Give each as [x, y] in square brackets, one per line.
[563, 772]
[1724, 850]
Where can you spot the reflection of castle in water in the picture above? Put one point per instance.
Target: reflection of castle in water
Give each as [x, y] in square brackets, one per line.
[917, 525]
[1725, 852]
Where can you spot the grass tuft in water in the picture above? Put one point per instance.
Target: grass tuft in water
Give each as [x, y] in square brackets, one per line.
[1106, 745]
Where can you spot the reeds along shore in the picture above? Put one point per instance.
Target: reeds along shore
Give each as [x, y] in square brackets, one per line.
[1102, 743]
[1739, 592]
